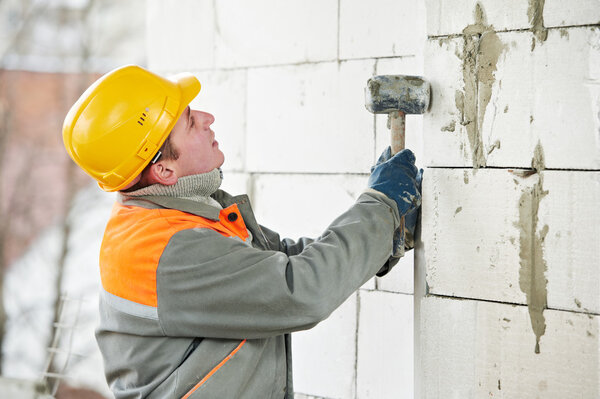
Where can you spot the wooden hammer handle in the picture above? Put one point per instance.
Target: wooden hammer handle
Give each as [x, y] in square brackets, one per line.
[397, 125]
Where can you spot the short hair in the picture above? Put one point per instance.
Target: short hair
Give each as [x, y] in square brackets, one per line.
[168, 152]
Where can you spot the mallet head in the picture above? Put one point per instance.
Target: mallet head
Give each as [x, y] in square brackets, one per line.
[388, 93]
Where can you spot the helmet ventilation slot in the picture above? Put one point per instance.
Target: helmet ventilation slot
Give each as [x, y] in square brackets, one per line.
[142, 119]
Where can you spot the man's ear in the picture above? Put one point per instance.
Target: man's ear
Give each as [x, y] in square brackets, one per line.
[162, 173]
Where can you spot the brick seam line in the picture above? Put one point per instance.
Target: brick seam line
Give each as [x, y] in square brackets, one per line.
[386, 291]
[289, 64]
[458, 35]
[364, 174]
[583, 311]
[514, 168]
[358, 297]
[309, 396]
[340, 60]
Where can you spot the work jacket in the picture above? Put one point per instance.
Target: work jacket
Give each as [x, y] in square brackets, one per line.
[198, 302]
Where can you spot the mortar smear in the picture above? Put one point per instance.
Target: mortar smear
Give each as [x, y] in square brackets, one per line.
[490, 49]
[532, 278]
[481, 52]
[535, 12]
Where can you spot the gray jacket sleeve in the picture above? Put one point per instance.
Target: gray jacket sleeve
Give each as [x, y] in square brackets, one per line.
[213, 286]
[287, 245]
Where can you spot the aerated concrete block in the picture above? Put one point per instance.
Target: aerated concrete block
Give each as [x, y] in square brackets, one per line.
[553, 97]
[180, 35]
[474, 349]
[408, 65]
[270, 32]
[385, 346]
[236, 183]
[512, 236]
[223, 95]
[574, 12]
[401, 278]
[304, 205]
[309, 118]
[445, 139]
[381, 28]
[325, 356]
[525, 91]
[450, 17]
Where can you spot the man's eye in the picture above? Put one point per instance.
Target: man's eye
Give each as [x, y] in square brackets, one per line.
[192, 122]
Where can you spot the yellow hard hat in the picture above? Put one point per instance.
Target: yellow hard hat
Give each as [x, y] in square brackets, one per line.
[118, 124]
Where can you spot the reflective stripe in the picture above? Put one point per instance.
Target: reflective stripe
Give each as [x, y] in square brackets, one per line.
[129, 307]
[214, 370]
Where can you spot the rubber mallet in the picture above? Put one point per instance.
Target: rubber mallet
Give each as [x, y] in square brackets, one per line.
[397, 95]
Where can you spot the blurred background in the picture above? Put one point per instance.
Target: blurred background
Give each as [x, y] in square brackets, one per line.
[50, 52]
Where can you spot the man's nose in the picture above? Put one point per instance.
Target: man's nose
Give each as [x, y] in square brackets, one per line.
[206, 118]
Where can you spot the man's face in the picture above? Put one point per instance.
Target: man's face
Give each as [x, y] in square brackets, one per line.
[195, 141]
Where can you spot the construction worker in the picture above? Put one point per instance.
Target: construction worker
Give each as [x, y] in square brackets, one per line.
[198, 300]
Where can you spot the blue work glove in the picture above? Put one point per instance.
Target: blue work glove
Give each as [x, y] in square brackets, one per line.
[397, 179]
[385, 156]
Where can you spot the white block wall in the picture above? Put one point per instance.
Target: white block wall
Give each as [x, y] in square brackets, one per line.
[508, 267]
[285, 81]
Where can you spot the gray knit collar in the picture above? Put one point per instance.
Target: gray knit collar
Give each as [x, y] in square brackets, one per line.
[194, 187]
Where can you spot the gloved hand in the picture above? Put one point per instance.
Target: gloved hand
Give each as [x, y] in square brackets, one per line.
[385, 156]
[397, 179]
[410, 219]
